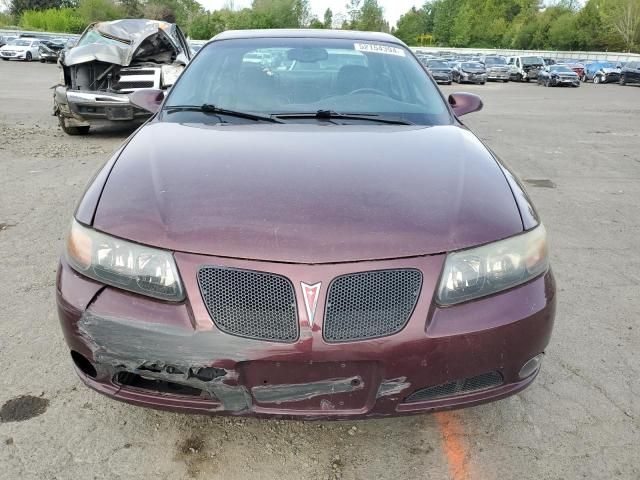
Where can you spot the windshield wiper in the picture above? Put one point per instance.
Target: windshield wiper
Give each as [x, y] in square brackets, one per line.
[212, 109]
[331, 115]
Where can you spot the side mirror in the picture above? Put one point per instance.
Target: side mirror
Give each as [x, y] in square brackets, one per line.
[463, 103]
[148, 99]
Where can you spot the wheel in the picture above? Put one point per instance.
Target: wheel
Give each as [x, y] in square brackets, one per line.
[482, 83]
[42, 60]
[623, 80]
[519, 77]
[527, 80]
[583, 78]
[28, 57]
[596, 79]
[5, 59]
[72, 130]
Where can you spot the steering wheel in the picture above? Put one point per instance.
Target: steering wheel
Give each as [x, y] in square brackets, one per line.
[374, 91]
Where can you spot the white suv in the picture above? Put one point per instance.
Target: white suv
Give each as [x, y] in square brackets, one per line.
[21, 49]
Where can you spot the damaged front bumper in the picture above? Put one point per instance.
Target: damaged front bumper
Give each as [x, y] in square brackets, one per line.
[82, 108]
[172, 356]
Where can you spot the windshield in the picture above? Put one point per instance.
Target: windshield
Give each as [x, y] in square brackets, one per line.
[270, 76]
[21, 43]
[495, 61]
[93, 36]
[561, 68]
[437, 64]
[471, 65]
[532, 61]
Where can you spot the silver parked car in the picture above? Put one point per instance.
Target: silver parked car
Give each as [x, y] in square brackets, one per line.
[110, 61]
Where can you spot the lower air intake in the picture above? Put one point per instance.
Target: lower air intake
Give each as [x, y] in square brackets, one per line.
[457, 387]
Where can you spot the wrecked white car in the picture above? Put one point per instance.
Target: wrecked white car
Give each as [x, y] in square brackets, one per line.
[110, 61]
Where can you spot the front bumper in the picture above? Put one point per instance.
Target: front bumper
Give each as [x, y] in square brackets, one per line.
[498, 75]
[126, 336]
[14, 55]
[80, 108]
[473, 78]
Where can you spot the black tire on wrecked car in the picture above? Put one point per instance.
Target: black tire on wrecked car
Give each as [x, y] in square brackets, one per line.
[72, 130]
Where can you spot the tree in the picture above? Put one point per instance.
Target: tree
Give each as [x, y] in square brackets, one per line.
[625, 19]
[328, 18]
[98, 10]
[412, 25]
[19, 6]
[372, 17]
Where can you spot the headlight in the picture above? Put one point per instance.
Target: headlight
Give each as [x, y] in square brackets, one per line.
[170, 74]
[494, 267]
[145, 270]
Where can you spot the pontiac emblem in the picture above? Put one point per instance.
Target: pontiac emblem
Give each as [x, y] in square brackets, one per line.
[311, 294]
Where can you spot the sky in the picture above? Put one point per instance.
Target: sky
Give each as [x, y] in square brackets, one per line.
[393, 9]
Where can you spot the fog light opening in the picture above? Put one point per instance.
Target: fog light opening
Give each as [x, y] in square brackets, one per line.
[83, 364]
[531, 367]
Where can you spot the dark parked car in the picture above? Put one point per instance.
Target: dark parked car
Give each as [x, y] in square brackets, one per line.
[321, 242]
[630, 73]
[469, 72]
[601, 72]
[558, 76]
[439, 70]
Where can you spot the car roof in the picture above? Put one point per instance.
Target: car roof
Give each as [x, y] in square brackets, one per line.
[309, 33]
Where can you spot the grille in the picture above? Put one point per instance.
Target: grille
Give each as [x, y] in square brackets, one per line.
[136, 72]
[457, 387]
[370, 304]
[250, 304]
[135, 84]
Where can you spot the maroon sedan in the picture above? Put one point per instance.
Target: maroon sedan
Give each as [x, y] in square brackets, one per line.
[304, 228]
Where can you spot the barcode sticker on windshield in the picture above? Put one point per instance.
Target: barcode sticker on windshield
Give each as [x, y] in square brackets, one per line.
[379, 48]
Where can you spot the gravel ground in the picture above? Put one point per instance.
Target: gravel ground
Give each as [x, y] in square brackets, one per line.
[579, 151]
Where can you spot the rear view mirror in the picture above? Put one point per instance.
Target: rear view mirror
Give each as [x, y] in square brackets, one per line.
[148, 99]
[463, 103]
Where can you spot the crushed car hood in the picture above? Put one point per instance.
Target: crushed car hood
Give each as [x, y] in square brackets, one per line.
[307, 193]
[126, 35]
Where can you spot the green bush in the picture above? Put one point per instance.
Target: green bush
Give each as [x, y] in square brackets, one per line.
[53, 20]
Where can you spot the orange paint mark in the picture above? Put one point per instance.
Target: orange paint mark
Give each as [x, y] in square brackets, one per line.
[454, 446]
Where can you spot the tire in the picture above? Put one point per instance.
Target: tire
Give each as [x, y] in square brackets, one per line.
[519, 77]
[583, 78]
[5, 59]
[42, 60]
[72, 130]
[623, 80]
[527, 80]
[28, 57]
[482, 83]
[596, 79]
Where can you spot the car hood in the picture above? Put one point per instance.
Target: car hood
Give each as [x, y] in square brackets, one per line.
[15, 48]
[307, 193]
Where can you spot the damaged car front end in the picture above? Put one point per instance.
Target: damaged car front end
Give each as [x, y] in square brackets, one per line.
[110, 61]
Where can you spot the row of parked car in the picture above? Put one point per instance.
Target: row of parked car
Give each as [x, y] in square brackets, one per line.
[30, 47]
[447, 68]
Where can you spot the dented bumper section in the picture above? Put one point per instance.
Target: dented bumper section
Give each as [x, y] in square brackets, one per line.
[171, 356]
[79, 107]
